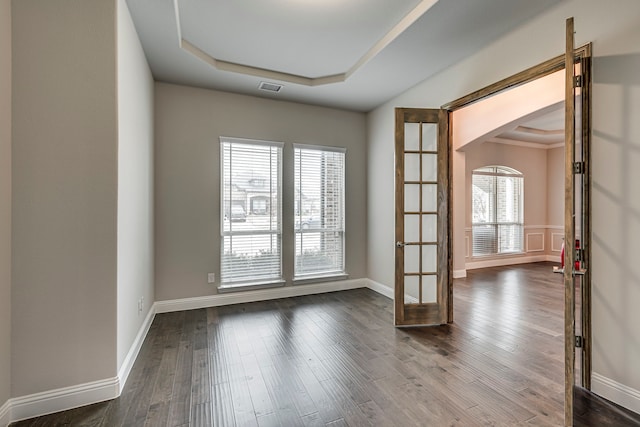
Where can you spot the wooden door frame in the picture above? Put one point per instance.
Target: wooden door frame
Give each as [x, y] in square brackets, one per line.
[584, 55]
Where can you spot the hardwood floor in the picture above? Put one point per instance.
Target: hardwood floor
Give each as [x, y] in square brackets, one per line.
[335, 360]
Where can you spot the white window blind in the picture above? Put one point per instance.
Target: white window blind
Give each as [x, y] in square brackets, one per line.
[319, 211]
[251, 219]
[497, 210]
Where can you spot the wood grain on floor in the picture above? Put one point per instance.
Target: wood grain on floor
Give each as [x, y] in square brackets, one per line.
[336, 360]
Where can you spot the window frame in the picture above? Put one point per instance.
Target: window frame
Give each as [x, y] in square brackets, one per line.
[327, 275]
[258, 282]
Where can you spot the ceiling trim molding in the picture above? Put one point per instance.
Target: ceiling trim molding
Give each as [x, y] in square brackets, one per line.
[249, 70]
[536, 131]
[536, 145]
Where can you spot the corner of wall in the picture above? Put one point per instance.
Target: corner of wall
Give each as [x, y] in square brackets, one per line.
[5, 209]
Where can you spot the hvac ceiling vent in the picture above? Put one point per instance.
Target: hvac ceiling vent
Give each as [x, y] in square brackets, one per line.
[270, 87]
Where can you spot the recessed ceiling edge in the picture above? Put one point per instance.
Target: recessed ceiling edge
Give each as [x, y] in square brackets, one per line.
[249, 70]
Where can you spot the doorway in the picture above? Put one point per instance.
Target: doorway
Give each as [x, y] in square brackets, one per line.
[577, 202]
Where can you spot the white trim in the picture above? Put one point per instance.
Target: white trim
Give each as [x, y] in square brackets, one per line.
[616, 392]
[467, 252]
[459, 274]
[381, 289]
[553, 249]
[328, 148]
[527, 244]
[62, 399]
[497, 262]
[5, 413]
[130, 359]
[257, 295]
[236, 140]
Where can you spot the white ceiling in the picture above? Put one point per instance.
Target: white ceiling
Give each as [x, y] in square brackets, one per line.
[351, 54]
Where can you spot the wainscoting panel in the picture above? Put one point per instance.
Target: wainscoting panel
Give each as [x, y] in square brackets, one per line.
[534, 242]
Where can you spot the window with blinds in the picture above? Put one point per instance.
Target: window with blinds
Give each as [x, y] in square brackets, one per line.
[497, 211]
[319, 211]
[251, 182]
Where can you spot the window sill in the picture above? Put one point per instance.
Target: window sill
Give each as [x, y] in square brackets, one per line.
[502, 255]
[238, 287]
[303, 280]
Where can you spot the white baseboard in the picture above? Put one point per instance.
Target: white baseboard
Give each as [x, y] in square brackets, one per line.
[381, 289]
[459, 274]
[257, 295]
[5, 414]
[497, 262]
[614, 391]
[48, 402]
[129, 360]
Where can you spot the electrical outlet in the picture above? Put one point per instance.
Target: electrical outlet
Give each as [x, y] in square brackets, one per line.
[140, 305]
[211, 278]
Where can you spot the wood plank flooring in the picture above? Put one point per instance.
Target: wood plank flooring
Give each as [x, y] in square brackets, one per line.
[336, 360]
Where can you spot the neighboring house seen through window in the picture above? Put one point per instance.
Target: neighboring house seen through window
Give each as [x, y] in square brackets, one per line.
[497, 210]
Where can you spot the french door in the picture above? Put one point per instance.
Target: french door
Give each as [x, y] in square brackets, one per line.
[423, 270]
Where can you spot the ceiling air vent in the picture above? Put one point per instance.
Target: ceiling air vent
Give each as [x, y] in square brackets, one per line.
[270, 87]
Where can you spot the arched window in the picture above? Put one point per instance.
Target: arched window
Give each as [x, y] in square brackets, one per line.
[497, 210]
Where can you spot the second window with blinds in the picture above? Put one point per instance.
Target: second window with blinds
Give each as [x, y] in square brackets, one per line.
[319, 211]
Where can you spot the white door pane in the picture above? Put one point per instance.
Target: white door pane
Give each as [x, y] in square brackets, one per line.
[411, 228]
[429, 289]
[429, 258]
[411, 136]
[429, 228]
[412, 167]
[411, 259]
[411, 197]
[430, 167]
[429, 137]
[429, 197]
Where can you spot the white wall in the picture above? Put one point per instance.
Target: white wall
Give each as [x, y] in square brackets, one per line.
[135, 183]
[5, 202]
[64, 165]
[613, 29]
[188, 123]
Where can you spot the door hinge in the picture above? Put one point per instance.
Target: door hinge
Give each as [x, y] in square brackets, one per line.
[578, 167]
[577, 81]
[579, 341]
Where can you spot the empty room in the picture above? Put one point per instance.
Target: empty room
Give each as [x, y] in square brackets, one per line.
[275, 213]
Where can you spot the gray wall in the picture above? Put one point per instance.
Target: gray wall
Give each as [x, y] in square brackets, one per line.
[188, 123]
[613, 29]
[5, 200]
[135, 183]
[64, 194]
